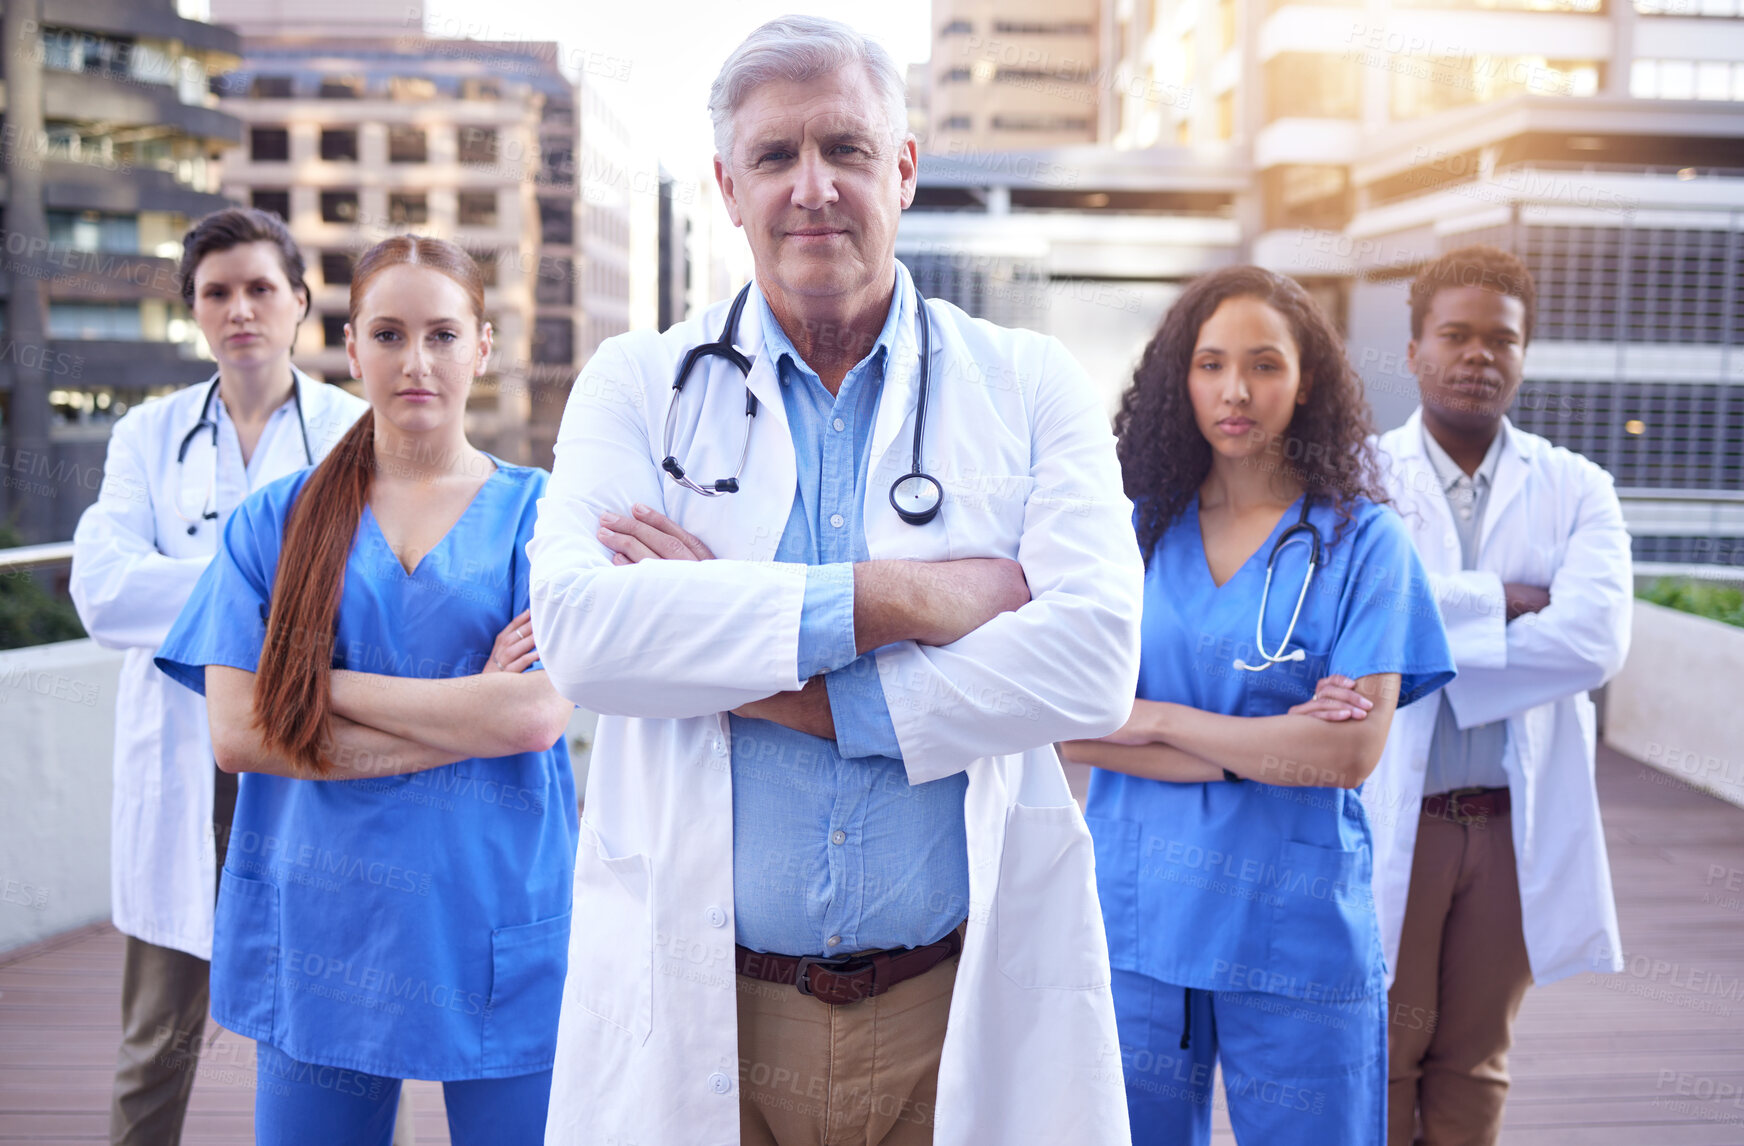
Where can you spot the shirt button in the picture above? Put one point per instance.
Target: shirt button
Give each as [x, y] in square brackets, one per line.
[834, 941]
[839, 424]
[836, 520]
[716, 917]
[720, 1083]
[1465, 511]
[838, 836]
[720, 747]
[1449, 542]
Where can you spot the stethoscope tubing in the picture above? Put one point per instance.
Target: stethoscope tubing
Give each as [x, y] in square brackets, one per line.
[208, 508]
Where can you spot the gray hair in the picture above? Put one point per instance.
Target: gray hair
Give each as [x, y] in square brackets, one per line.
[801, 48]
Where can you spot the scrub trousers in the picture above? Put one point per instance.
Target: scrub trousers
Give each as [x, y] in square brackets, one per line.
[299, 1104]
[1296, 1072]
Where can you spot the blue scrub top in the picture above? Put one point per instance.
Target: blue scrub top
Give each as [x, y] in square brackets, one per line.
[410, 926]
[1250, 886]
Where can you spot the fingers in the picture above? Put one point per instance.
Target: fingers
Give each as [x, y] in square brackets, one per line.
[698, 551]
[628, 548]
[1332, 711]
[656, 534]
[522, 623]
[522, 662]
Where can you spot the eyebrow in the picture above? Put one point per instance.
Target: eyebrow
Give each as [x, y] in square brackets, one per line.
[1261, 349]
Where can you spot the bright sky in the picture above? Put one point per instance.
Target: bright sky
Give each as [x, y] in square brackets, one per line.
[672, 49]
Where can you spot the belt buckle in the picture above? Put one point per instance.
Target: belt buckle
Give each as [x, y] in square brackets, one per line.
[802, 970]
[1456, 800]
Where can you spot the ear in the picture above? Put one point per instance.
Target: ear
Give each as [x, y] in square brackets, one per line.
[485, 336]
[1411, 358]
[724, 181]
[351, 353]
[1303, 389]
[908, 164]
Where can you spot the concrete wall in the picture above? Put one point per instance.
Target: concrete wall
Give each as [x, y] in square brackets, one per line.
[57, 736]
[1675, 705]
[57, 731]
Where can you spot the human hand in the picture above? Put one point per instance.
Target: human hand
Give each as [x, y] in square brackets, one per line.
[1523, 599]
[1335, 699]
[513, 650]
[804, 710]
[647, 534]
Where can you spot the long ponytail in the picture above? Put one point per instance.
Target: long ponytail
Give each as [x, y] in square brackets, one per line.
[292, 690]
[293, 702]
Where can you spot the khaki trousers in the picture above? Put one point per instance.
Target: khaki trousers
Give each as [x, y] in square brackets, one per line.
[1462, 974]
[163, 1020]
[864, 1074]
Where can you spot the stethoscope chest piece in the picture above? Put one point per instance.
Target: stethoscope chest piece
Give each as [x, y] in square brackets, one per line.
[916, 498]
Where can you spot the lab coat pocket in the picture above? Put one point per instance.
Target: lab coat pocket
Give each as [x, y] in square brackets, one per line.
[612, 950]
[984, 513]
[245, 956]
[1324, 937]
[1117, 884]
[1049, 924]
[527, 963]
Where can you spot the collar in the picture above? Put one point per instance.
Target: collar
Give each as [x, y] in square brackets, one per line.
[781, 348]
[1449, 472]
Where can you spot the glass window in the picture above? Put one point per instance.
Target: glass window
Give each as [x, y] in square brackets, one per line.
[336, 268]
[408, 208]
[478, 208]
[277, 201]
[478, 145]
[407, 144]
[487, 265]
[269, 144]
[339, 206]
[556, 283]
[411, 89]
[339, 144]
[477, 88]
[271, 87]
[554, 341]
[333, 329]
[1311, 85]
[342, 87]
[556, 221]
[94, 231]
[88, 321]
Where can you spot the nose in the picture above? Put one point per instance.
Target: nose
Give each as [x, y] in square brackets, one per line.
[814, 186]
[1235, 388]
[1477, 350]
[417, 362]
[241, 308]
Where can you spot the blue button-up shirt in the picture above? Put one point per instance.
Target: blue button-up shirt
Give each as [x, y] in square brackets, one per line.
[834, 851]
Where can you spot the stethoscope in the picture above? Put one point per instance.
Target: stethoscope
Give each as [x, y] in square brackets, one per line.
[1304, 532]
[915, 496]
[209, 508]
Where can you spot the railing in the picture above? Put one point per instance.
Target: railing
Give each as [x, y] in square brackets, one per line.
[32, 556]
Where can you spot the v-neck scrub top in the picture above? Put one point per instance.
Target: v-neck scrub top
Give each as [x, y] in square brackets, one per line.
[1248, 886]
[410, 926]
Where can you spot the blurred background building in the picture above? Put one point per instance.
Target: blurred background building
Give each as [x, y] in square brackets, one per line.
[1348, 144]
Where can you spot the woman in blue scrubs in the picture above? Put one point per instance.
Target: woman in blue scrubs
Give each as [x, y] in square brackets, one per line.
[396, 897]
[1232, 853]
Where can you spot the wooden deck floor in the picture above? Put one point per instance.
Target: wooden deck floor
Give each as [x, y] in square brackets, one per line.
[1651, 1057]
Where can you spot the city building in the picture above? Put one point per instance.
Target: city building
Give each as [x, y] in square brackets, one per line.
[1349, 144]
[110, 142]
[354, 138]
[1017, 74]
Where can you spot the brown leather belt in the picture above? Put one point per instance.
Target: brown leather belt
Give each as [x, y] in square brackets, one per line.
[1467, 805]
[847, 978]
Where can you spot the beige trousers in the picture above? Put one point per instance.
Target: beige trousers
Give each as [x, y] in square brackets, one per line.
[1462, 974]
[864, 1074]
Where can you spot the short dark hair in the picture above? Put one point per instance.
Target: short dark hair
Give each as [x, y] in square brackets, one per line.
[1479, 265]
[232, 227]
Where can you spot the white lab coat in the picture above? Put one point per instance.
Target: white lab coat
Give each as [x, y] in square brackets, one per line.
[647, 1048]
[134, 566]
[1552, 519]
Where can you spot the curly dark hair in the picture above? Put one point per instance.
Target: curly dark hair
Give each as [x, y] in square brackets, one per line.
[1479, 265]
[1163, 456]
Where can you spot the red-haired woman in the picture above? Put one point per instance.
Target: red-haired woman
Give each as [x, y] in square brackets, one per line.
[396, 896]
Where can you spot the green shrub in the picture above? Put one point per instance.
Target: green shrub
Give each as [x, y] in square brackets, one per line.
[1709, 599]
[29, 616]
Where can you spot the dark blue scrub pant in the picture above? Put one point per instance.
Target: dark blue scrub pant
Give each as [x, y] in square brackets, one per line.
[1294, 1072]
[300, 1104]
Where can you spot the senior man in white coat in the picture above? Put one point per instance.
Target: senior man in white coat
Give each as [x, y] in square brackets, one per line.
[175, 469]
[832, 886]
[1490, 865]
